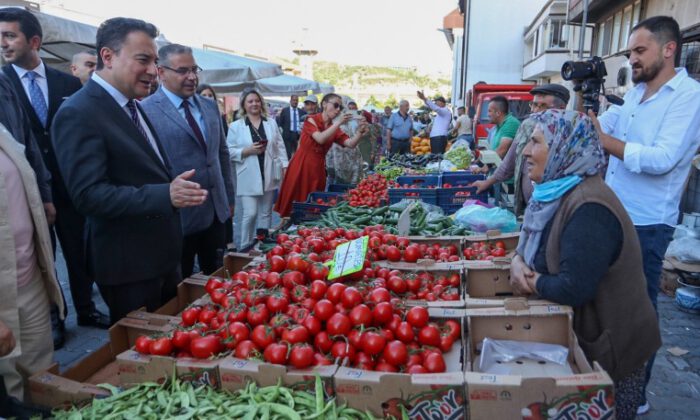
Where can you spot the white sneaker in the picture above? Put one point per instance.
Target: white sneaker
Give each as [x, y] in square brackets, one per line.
[643, 409]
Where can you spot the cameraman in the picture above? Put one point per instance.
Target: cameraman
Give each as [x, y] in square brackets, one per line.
[651, 140]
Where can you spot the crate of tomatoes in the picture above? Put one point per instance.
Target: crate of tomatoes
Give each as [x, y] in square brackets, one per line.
[416, 187]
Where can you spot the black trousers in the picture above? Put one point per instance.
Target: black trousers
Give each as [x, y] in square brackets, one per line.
[208, 245]
[438, 144]
[70, 229]
[291, 141]
[400, 146]
[151, 293]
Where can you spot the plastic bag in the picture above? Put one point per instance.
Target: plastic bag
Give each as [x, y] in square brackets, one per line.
[480, 219]
[443, 166]
[503, 351]
[686, 249]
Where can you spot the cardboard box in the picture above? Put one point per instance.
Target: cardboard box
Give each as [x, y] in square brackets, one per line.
[535, 394]
[442, 240]
[426, 396]
[188, 292]
[235, 262]
[424, 265]
[135, 367]
[235, 373]
[510, 239]
[77, 385]
[458, 304]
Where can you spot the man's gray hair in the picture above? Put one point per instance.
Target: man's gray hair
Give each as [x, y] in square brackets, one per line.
[403, 102]
[558, 103]
[166, 51]
[77, 55]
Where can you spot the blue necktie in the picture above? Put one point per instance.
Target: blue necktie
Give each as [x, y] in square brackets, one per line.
[36, 96]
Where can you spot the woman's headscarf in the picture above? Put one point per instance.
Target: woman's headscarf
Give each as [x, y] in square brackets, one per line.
[574, 153]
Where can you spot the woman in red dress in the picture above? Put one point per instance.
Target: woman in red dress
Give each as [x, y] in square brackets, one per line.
[307, 169]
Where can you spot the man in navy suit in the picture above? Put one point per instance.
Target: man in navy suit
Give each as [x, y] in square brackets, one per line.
[41, 90]
[119, 176]
[193, 137]
[290, 121]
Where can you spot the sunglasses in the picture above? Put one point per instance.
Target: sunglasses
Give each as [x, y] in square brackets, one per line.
[337, 105]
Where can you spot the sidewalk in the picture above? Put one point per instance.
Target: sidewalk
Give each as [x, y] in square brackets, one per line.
[674, 391]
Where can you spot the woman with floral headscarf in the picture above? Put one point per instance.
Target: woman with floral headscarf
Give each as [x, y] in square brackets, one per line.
[578, 247]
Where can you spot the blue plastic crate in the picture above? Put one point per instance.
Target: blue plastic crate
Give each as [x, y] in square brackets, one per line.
[450, 201]
[325, 196]
[307, 212]
[419, 180]
[340, 187]
[424, 194]
[461, 179]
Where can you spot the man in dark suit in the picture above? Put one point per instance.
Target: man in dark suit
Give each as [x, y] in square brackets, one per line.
[41, 90]
[193, 137]
[119, 176]
[290, 120]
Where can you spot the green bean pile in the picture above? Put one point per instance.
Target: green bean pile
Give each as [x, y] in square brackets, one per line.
[178, 400]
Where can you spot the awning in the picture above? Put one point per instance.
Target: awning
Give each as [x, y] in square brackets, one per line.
[229, 73]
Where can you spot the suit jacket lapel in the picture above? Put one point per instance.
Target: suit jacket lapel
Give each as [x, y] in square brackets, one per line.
[54, 92]
[115, 111]
[212, 121]
[171, 112]
[22, 95]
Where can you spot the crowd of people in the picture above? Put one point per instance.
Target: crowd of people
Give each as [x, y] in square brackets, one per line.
[139, 185]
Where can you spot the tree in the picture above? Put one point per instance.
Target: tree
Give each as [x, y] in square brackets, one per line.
[372, 101]
[391, 102]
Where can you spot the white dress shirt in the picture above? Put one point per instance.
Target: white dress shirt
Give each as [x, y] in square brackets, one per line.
[40, 70]
[662, 134]
[122, 101]
[294, 119]
[441, 124]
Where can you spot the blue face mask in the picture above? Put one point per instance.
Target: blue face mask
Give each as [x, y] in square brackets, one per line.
[552, 190]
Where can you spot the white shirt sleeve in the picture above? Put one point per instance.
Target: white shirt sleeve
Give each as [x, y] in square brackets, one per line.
[608, 119]
[678, 134]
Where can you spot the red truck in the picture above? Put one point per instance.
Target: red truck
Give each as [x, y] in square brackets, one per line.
[480, 95]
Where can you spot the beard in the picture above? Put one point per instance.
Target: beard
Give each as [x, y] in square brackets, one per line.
[649, 72]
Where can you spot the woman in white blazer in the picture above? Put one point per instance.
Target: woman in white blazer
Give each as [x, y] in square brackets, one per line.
[260, 160]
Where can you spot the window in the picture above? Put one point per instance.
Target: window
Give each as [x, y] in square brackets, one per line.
[617, 23]
[557, 34]
[690, 58]
[626, 28]
[613, 33]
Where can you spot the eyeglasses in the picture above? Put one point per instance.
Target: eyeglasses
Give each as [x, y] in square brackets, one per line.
[541, 106]
[184, 71]
[337, 105]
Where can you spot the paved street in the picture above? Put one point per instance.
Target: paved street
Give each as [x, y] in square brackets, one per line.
[674, 391]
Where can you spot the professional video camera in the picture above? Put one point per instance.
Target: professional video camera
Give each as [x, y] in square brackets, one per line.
[589, 78]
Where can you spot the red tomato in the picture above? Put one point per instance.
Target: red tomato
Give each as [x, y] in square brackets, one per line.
[312, 324]
[434, 363]
[372, 343]
[361, 315]
[396, 353]
[351, 297]
[324, 309]
[276, 353]
[143, 344]
[190, 316]
[181, 340]
[238, 331]
[341, 349]
[212, 284]
[412, 253]
[335, 292]
[379, 294]
[404, 332]
[429, 336]
[297, 334]
[258, 314]
[277, 264]
[318, 272]
[417, 316]
[323, 342]
[383, 313]
[301, 356]
[245, 349]
[453, 328]
[263, 336]
[397, 285]
[205, 347]
[338, 324]
[416, 369]
[318, 289]
[393, 253]
[277, 303]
